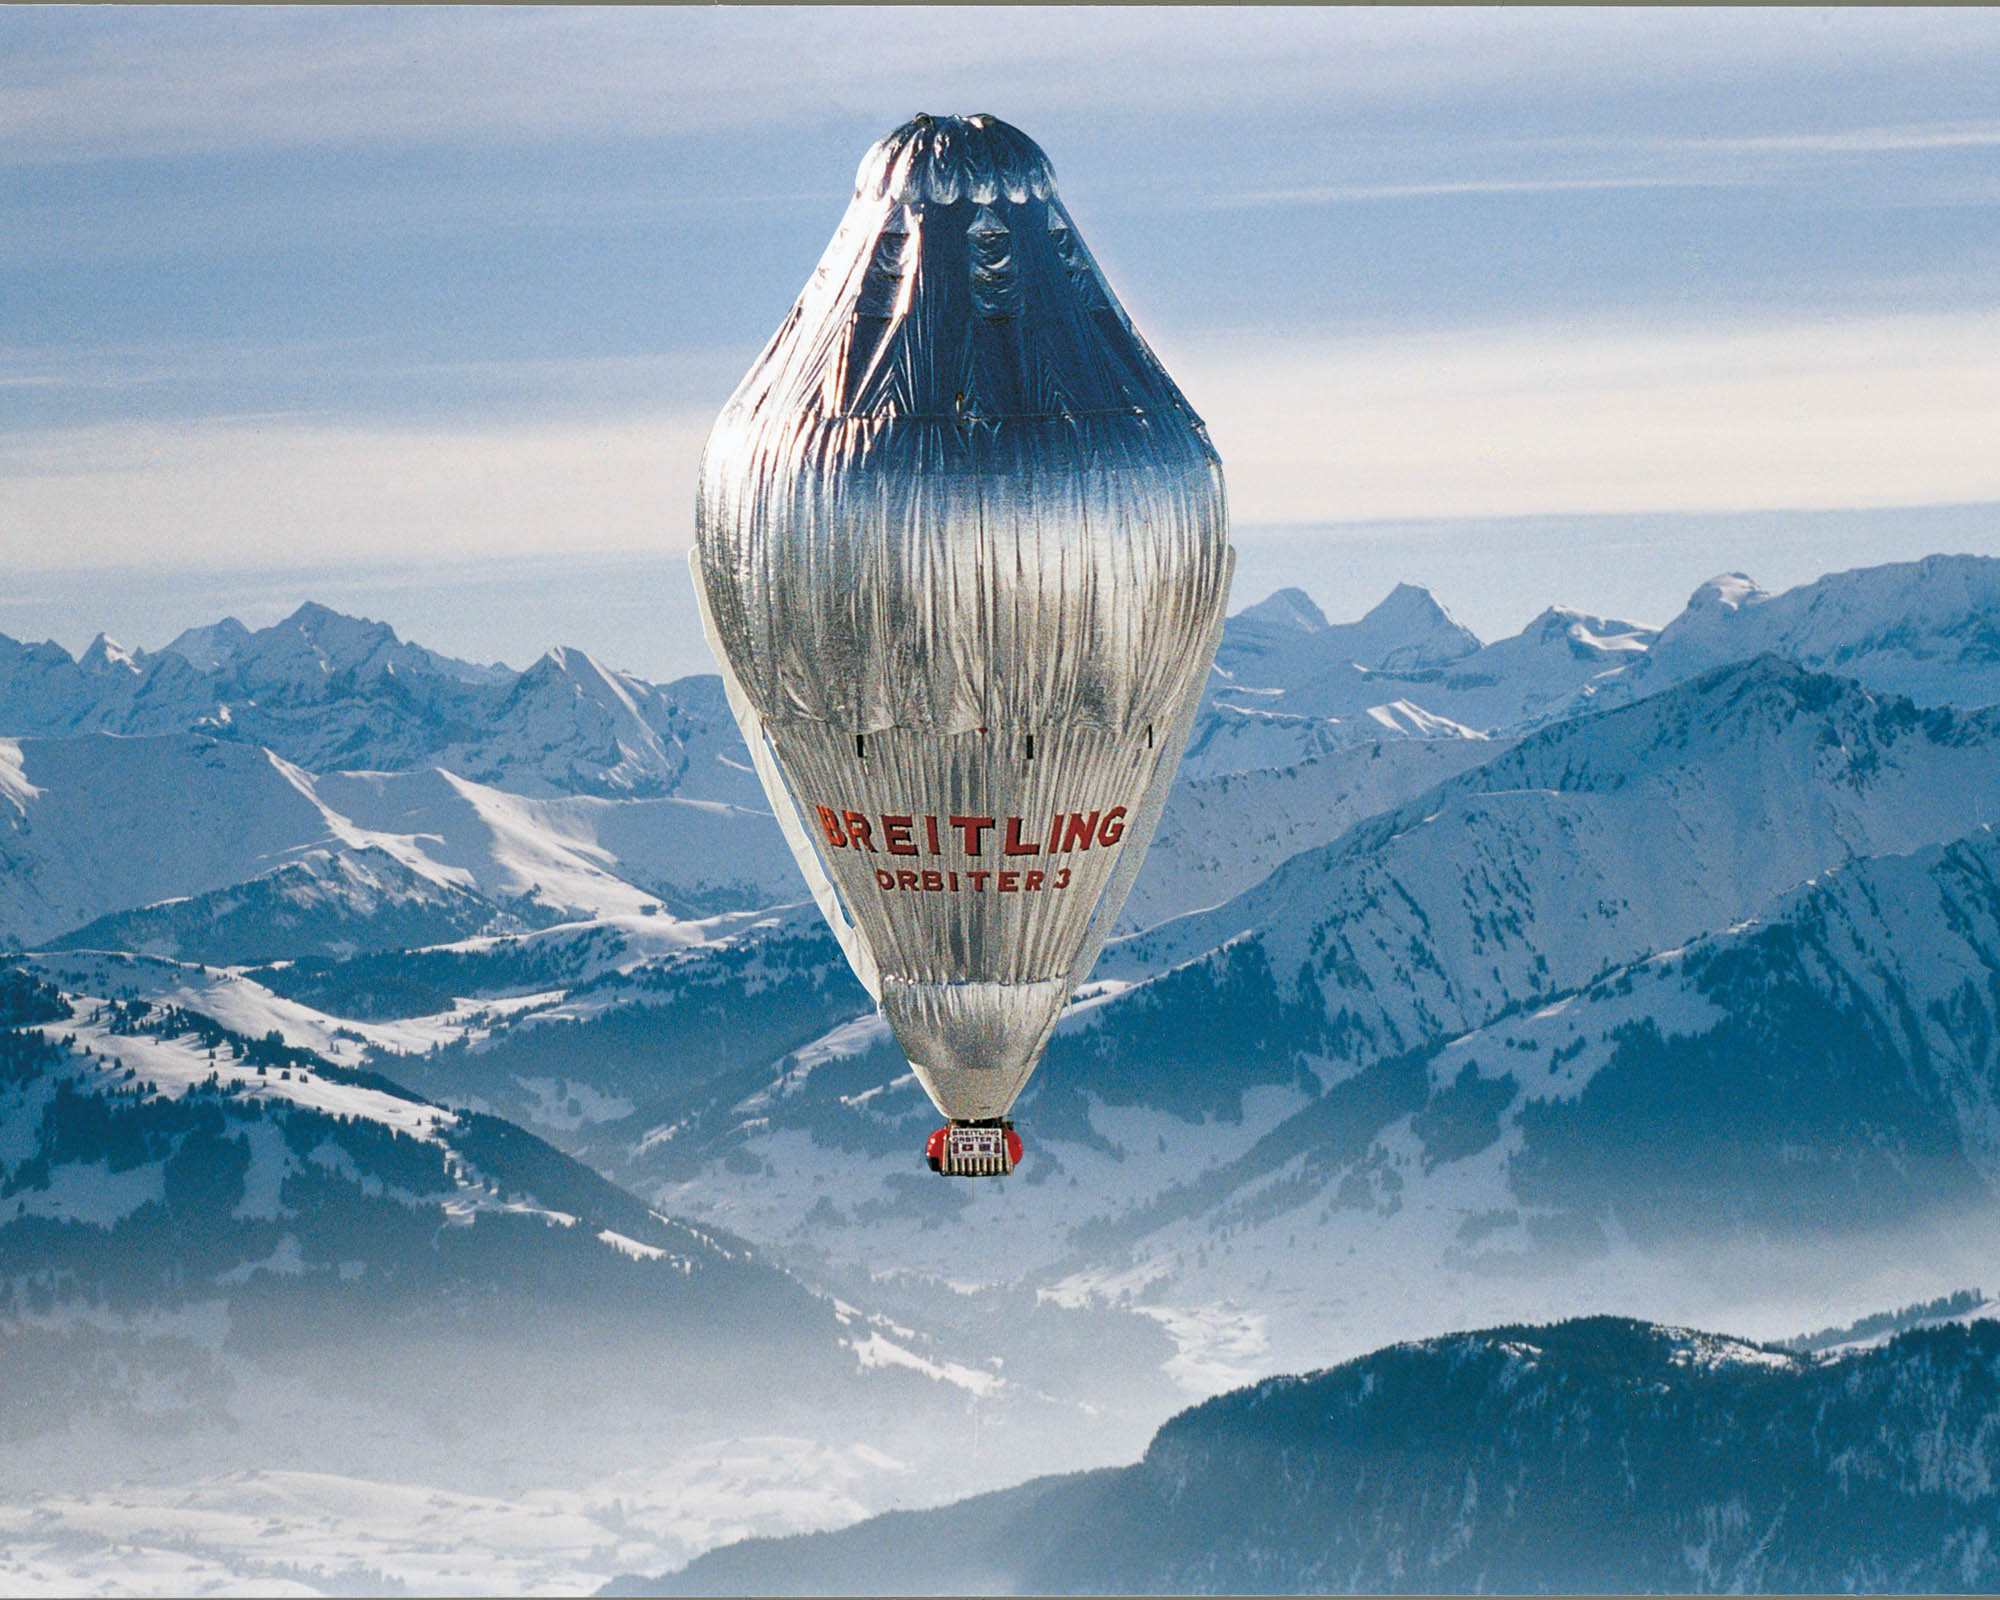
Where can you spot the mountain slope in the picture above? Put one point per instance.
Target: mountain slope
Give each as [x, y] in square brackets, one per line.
[1831, 1064]
[1929, 630]
[1590, 843]
[1262, 1107]
[97, 825]
[325, 900]
[1219, 836]
[1801, 1106]
[152, 1155]
[1597, 1455]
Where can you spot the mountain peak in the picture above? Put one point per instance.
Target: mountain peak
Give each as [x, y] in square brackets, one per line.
[208, 648]
[1285, 639]
[332, 641]
[313, 619]
[566, 658]
[1413, 631]
[107, 655]
[1287, 608]
[1730, 591]
[1410, 603]
[570, 663]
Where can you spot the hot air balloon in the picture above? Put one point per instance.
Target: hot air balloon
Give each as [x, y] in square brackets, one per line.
[962, 551]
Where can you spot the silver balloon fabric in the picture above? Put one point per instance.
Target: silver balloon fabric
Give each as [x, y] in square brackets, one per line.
[962, 550]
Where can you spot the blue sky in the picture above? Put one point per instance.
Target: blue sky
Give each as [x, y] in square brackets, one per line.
[342, 290]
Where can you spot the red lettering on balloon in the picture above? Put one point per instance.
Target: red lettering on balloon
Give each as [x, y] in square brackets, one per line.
[1068, 831]
[1033, 881]
[906, 880]
[933, 879]
[978, 880]
[886, 879]
[972, 828]
[1009, 882]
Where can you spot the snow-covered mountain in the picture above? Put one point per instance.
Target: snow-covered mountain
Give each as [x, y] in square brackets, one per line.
[1245, 1102]
[1599, 1455]
[1219, 836]
[316, 641]
[1464, 984]
[1290, 686]
[1928, 630]
[570, 725]
[1286, 638]
[97, 825]
[152, 1156]
[1590, 843]
[1869, 1003]
[1287, 693]
[331, 693]
[233, 1266]
[320, 901]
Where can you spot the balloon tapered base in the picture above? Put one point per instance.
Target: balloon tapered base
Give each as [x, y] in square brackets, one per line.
[987, 1149]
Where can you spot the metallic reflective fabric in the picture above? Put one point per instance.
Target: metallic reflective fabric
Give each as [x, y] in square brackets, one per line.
[962, 548]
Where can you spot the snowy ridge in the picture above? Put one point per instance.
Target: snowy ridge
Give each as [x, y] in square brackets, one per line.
[96, 825]
[1219, 836]
[1926, 629]
[330, 692]
[1287, 637]
[333, 692]
[1596, 841]
[322, 900]
[1441, 683]
[133, 1054]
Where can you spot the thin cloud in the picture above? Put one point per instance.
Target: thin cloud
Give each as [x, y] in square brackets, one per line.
[92, 83]
[237, 490]
[1858, 411]
[1350, 194]
[1891, 140]
[1850, 412]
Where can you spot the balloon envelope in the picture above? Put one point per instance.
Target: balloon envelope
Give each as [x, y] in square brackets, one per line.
[962, 549]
